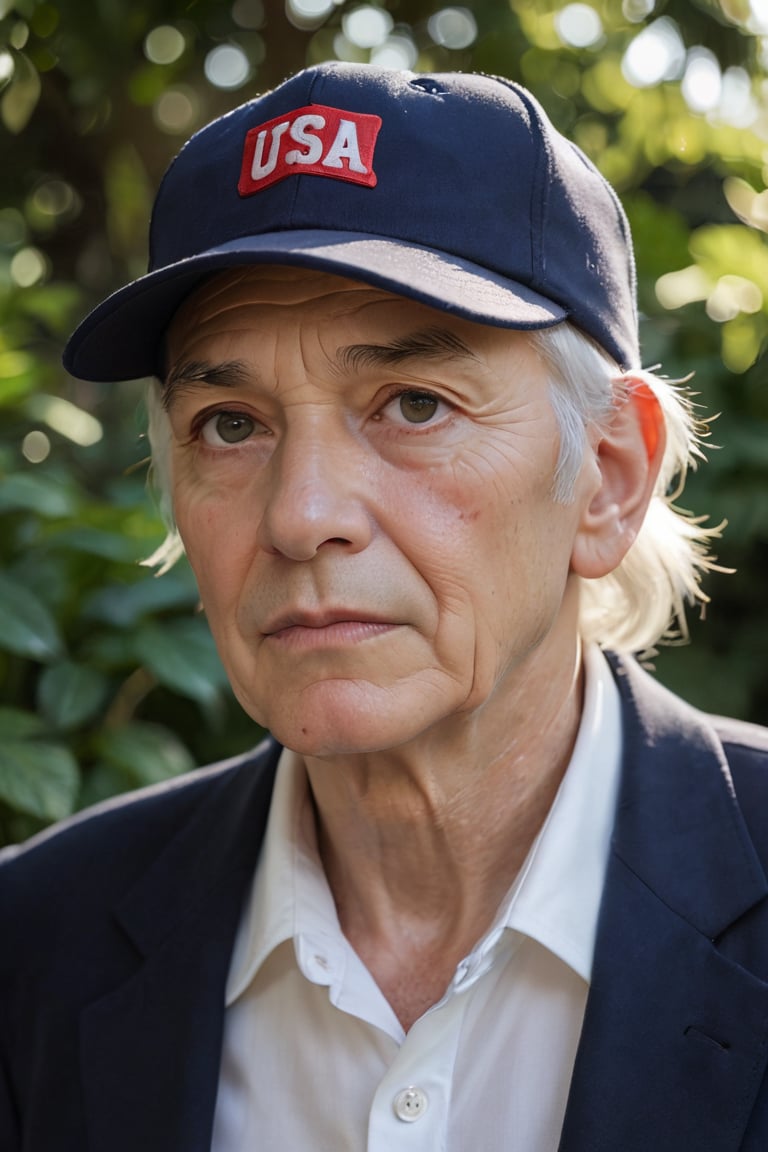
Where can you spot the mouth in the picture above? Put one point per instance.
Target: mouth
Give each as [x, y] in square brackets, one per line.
[326, 629]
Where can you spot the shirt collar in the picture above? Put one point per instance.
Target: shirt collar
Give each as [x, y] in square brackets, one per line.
[555, 898]
[289, 896]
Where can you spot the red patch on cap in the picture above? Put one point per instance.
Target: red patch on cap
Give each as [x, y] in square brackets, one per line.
[315, 140]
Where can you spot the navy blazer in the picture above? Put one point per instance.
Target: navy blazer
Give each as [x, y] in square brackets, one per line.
[117, 931]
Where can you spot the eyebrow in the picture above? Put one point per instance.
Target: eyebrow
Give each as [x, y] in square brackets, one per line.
[191, 373]
[427, 344]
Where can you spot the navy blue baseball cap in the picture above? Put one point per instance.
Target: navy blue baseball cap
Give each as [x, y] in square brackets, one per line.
[452, 189]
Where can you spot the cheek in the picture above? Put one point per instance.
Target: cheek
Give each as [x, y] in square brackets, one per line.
[217, 547]
[436, 520]
[452, 537]
[498, 564]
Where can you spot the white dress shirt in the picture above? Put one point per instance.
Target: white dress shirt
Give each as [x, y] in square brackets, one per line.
[314, 1058]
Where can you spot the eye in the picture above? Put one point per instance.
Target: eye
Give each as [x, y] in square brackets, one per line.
[415, 407]
[228, 428]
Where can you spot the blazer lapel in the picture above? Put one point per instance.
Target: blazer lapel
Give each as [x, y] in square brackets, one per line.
[151, 1049]
[673, 1048]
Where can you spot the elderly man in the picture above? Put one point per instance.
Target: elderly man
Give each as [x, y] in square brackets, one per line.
[487, 886]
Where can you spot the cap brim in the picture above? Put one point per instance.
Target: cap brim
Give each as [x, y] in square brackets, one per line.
[123, 337]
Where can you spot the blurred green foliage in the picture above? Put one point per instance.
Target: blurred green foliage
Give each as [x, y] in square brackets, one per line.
[109, 678]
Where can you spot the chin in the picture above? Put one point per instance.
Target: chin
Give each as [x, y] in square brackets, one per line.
[326, 739]
[344, 728]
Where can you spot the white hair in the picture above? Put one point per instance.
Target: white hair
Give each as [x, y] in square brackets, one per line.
[642, 602]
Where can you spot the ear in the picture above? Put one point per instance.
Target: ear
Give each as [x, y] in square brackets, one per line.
[628, 457]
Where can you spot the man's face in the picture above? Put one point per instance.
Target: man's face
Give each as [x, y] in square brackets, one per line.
[363, 486]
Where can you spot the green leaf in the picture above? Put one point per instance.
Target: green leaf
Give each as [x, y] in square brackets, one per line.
[123, 605]
[748, 443]
[182, 656]
[70, 694]
[101, 782]
[147, 752]
[15, 362]
[54, 304]
[38, 778]
[53, 577]
[113, 650]
[17, 724]
[26, 624]
[98, 542]
[17, 376]
[35, 492]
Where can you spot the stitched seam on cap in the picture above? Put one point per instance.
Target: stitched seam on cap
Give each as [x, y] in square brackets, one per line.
[314, 83]
[539, 198]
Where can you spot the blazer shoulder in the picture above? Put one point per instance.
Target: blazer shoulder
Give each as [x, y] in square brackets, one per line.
[745, 747]
[743, 738]
[104, 847]
[658, 709]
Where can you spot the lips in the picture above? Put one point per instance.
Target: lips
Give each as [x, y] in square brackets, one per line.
[321, 619]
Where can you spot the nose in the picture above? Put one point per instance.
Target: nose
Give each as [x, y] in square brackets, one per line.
[315, 496]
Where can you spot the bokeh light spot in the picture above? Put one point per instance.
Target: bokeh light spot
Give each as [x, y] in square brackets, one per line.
[702, 83]
[67, 419]
[737, 104]
[227, 66]
[19, 35]
[637, 10]
[579, 25]
[36, 447]
[398, 52]
[175, 110]
[6, 67]
[164, 44]
[367, 27]
[656, 54]
[686, 285]
[307, 13]
[732, 295]
[54, 198]
[758, 16]
[453, 28]
[28, 267]
[248, 13]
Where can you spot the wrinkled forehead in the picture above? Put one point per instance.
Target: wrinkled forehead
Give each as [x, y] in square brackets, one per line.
[261, 298]
[262, 286]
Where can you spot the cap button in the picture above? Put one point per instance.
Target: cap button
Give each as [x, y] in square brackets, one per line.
[428, 85]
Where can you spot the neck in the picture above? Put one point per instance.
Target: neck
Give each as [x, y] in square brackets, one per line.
[421, 843]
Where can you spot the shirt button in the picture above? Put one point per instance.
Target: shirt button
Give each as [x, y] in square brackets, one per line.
[410, 1104]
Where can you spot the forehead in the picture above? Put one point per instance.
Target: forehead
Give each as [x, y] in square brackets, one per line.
[262, 298]
[224, 299]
